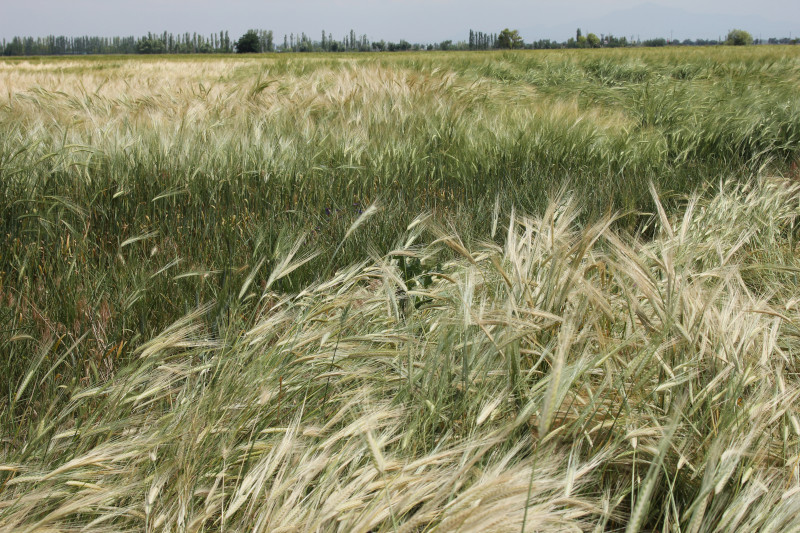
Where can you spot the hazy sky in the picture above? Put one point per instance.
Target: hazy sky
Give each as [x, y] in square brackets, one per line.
[414, 20]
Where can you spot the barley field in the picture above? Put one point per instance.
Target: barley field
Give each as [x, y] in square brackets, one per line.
[530, 291]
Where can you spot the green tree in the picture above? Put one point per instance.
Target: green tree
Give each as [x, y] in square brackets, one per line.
[249, 43]
[509, 39]
[14, 48]
[739, 38]
[150, 45]
[593, 40]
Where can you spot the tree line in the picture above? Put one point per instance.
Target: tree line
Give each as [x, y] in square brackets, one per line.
[165, 43]
[260, 41]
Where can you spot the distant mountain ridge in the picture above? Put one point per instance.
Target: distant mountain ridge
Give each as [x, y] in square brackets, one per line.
[650, 20]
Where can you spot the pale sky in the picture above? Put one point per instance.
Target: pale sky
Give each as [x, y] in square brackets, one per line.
[413, 20]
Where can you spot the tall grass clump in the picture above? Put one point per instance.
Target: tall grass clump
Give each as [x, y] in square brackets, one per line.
[575, 377]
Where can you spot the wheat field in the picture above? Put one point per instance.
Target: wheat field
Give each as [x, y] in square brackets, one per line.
[535, 291]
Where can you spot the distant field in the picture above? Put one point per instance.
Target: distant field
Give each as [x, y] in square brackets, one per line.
[401, 292]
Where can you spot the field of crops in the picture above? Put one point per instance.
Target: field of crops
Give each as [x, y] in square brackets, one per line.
[525, 291]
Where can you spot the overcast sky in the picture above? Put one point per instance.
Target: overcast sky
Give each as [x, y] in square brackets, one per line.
[414, 20]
